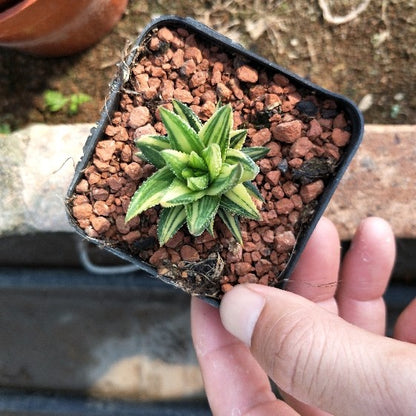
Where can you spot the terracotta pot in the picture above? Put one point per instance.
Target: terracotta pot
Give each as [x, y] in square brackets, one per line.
[58, 27]
[313, 104]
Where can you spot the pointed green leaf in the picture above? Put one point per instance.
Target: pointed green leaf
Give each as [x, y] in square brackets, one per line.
[237, 139]
[253, 190]
[210, 228]
[150, 192]
[217, 129]
[213, 159]
[187, 115]
[197, 162]
[179, 194]
[200, 213]
[250, 169]
[232, 223]
[170, 221]
[198, 183]
[181, 136]
[255, 152]
[176, 161]
[151, 146]
[238, 201]
[229, 177]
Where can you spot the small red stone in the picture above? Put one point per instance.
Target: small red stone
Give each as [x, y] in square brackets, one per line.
[340, 122]
[226, 287]
[175, 240]
[165, 34]
[134, 171]
[255, 256]
[249, 246]
[183, 95]
[174, 256]
[188, 253]
[284, 242]
[158, 256]
[275, 150]
[188, 67]
[315, 129]
[268, 236]
[197, 79]
[193, 53]
[139, 116]
[340, 137]
[243, 268]
[101, 208]
[82, 186]
[284, 206]
[80, 199]
[248, 278]
[115, 182]
[265, 165]
[154, 44]
[301, 147]
[177, 58]
[273, 177]
[122, 226]
[223, 91]
[280, 80]
[261, 137]
[311, 191]
[263, 266]
[247, 74]
[105, 150]
[111, 130]
[82, 211]
[289, 188]
[131, 237]
[297, 201]
[287, 131]
[157, 72]
[100, 224]
[271, 100]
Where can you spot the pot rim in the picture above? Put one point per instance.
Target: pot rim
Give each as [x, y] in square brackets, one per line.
[10, 12]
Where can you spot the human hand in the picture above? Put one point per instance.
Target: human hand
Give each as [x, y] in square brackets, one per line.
[325, 349]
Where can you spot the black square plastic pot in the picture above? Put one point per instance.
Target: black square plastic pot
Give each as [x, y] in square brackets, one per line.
[331, 179]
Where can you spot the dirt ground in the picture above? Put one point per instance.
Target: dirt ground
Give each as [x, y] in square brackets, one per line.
[371, 59]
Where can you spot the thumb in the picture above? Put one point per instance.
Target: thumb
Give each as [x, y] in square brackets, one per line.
[319, 358]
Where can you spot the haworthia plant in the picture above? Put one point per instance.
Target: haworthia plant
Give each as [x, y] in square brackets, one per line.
[203, 170]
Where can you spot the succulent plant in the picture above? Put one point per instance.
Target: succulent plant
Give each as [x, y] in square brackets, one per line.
[202, 170]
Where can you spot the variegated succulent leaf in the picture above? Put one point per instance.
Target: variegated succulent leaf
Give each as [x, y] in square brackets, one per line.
[203, 170]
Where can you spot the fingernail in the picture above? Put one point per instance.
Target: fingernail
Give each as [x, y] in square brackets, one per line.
[239, 310]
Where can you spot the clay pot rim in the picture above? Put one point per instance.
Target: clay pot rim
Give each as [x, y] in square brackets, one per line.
[17, 8]
[58, 28]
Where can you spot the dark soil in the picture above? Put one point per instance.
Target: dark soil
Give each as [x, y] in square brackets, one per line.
[373, 55]
[305, 132]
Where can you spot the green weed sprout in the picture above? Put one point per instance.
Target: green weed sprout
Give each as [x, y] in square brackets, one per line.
[55, 101]
[202, 170]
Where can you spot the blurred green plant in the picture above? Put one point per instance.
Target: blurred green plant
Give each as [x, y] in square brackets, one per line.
[5, 128]
[56, 101]
[394, 110]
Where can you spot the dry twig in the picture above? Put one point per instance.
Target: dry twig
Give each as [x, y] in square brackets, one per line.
[339, 20]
